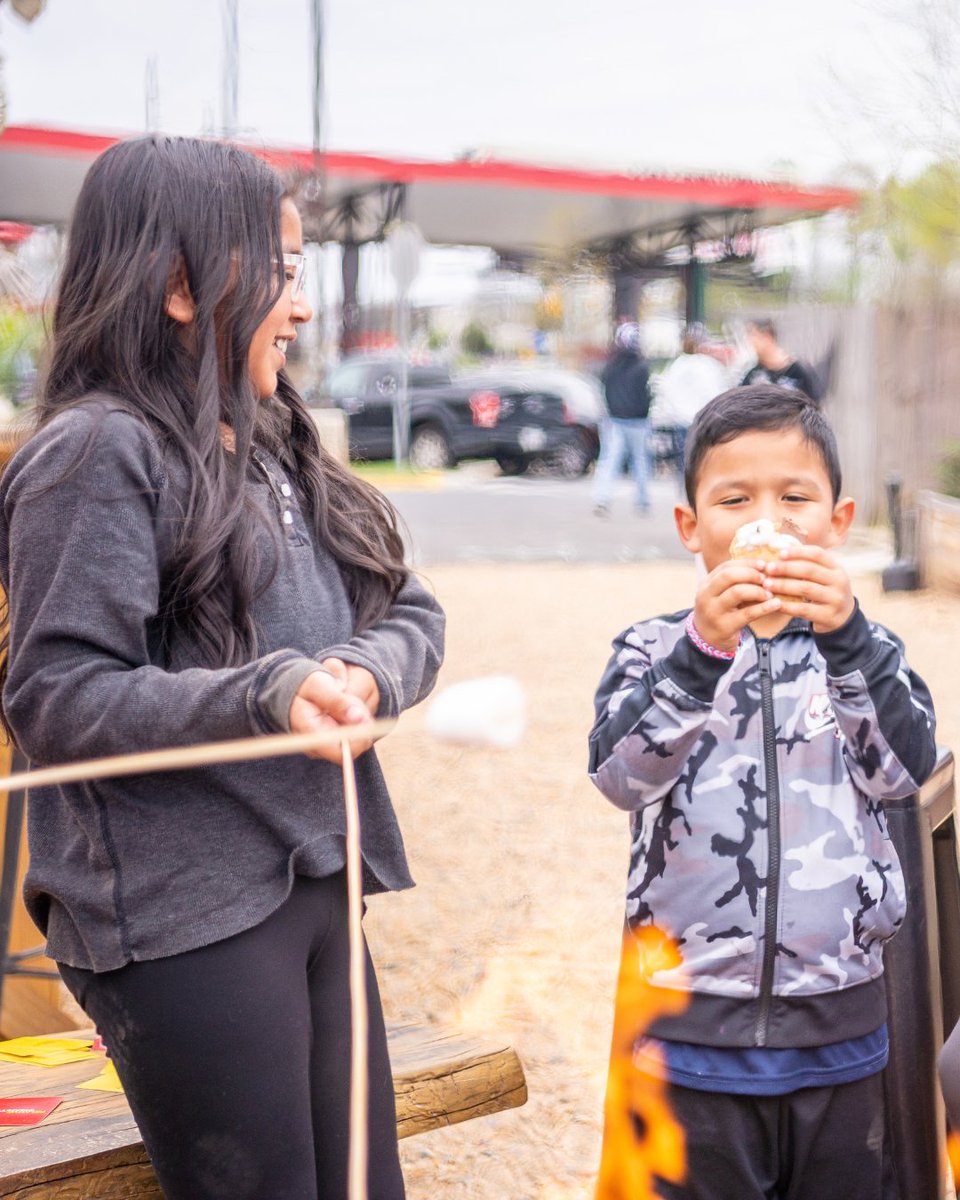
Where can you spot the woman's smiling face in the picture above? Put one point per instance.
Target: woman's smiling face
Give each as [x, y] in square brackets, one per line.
[268, 349]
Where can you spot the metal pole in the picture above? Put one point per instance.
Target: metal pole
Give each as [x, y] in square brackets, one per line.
[406, 243]
[313, 189]
[231, 68]
[316, 30]
[151, 90]
[401, 408]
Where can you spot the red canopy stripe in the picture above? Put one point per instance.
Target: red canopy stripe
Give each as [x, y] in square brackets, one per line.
[714, 190]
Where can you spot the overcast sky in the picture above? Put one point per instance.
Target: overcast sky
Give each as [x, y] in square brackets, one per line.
[721, 85]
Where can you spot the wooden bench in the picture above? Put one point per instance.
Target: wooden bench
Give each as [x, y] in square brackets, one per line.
[90, 1147]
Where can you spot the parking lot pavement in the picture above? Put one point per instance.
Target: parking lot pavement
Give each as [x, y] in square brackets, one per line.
[478, 516]
[473, 514]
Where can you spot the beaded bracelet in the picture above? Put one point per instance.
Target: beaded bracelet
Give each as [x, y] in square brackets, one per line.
[703, 646]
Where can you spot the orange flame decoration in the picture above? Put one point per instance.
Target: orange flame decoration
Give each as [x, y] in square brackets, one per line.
[953, 1155]
[641, 1137]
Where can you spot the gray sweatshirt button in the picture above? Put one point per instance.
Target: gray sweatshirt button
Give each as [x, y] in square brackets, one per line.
[286, 489]
[287, 517]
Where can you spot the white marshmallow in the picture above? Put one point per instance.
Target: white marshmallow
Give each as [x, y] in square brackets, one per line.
[491, 711]
[762, 533]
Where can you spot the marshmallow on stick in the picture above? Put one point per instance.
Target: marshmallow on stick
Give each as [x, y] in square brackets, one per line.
[764, 540]
[480, 712]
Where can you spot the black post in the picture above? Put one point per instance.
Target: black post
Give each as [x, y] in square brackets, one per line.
[626, 295]
[10, 964]
[350, 272]
[694, 279]
[13, 831]
[894, 484]
[919, 1005]
[903, 574]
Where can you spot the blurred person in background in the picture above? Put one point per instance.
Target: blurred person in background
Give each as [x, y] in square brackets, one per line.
[776, 365]
[625, 430]
[693, 378]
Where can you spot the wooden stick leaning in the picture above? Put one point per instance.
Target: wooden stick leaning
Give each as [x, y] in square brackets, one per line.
[482, 712]
[204, 754]
[358, 1153]
[245, 750]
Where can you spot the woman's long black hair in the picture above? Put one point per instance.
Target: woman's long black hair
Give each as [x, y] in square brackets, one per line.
[152, 212]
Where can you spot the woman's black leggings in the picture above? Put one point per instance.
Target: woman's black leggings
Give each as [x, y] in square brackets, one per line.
[235, 1058]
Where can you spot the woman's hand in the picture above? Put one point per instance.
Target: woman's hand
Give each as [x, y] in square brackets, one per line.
[323, 702]
[357, 681]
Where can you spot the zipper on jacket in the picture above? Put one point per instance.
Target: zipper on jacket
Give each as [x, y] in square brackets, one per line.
[772, 894]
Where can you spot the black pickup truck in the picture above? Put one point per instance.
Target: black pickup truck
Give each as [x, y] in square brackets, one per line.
[514, 420]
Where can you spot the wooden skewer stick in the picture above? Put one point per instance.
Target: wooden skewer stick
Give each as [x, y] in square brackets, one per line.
[179, 758]
[357, 1163]
[244, 750]
[500, 722]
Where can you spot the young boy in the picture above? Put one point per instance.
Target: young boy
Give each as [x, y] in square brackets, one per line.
[752, 739]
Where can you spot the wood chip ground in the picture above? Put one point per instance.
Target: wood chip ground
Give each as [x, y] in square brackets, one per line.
[514, 926]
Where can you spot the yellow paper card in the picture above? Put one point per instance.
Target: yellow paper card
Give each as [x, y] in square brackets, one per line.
[106, 1081]
[45, 1051]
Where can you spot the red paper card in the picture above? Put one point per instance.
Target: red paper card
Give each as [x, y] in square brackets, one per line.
[27, 1110]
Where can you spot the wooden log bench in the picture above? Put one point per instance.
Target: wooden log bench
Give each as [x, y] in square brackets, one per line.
[90, 1147]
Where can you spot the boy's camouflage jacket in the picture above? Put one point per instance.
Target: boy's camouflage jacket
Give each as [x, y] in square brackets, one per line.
[758, 837]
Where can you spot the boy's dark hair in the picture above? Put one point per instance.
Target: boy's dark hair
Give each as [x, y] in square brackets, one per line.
[759, 408]
[764, 325]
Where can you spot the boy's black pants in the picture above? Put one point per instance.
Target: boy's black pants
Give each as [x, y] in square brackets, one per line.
[235, 1057]
[825, 1143]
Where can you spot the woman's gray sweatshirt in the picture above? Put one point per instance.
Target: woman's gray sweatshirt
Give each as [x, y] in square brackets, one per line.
[148, 866]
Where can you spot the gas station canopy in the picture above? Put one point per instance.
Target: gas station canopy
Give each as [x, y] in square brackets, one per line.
[518, 209]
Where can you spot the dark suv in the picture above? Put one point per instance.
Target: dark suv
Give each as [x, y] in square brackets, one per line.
[512, 419]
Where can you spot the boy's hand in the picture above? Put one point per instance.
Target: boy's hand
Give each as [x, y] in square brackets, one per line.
[732, 595]
[812, 584]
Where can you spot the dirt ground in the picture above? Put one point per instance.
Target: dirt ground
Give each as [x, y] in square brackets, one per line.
[514, 927]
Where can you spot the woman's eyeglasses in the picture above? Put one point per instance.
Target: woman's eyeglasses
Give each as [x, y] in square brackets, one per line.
[295, 272]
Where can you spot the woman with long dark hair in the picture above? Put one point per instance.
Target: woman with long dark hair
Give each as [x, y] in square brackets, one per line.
[184, 563]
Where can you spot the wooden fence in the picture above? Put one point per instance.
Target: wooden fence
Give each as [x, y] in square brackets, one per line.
[894, 389]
